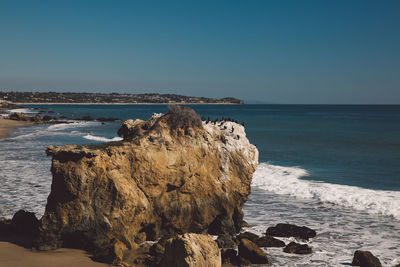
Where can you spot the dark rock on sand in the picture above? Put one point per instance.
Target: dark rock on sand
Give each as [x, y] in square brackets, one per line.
[290, 230]
[250, 251]
[365, 259]
[269, 241]
[25, 222]
[226, 241]
[296, 248]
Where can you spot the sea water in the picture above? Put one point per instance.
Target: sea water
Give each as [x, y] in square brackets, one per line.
[333, 168]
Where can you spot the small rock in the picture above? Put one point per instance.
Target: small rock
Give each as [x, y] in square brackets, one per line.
[24, 222]
[296, 248]
[191, 250]
[225, 241]
[250, 251]
[87, 118]
[229, 256]
[250, 236]
[365, 259]
[107, 119]
[36, 119]
[18, 117]
[269, 241]
[47, 118]
[291, 230]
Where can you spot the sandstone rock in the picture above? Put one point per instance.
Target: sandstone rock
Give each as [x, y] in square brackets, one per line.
[248, 235]
[251, 252]
[365, 259]
[269, 241]
[226, 241]
[170, 175]
[157, 251]
[295, 248]
[290, 230]
[191, 250]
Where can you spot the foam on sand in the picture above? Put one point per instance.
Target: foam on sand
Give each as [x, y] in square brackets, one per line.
[286, 181]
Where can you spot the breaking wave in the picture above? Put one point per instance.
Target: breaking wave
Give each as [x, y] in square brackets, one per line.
[286, 181]
[102, 139]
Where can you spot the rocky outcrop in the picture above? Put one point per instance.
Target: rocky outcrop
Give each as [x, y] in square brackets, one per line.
[269, 241]
[226, 241]
[172, 174]
[251, 252]
[296, 248]
[290, 230]
[365, 259]
[194, 250]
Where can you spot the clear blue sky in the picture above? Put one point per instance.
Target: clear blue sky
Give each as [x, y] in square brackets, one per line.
[269, 51]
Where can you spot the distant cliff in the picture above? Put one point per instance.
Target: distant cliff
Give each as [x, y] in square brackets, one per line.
[171, 174]
[113, 98]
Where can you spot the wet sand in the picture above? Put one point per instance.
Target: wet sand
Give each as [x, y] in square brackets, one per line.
[13, 255]
[7, 125]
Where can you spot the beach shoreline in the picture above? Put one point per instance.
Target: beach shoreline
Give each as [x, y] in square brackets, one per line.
[14, 255]
[6, 126]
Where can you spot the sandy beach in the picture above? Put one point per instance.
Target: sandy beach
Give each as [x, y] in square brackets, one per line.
[13, 255]
[7, 125]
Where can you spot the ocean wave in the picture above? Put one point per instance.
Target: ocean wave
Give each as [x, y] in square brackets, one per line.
[285, 181]
[102, 139]
[22, 110]
[71, 124]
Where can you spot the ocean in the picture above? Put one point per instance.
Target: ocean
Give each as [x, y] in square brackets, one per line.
[333, 168]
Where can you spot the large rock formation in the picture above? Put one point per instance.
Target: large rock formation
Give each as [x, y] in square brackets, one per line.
[172, 174]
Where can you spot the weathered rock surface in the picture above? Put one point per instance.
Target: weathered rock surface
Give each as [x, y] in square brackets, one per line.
[296, 248]
[194, 250]
[250, 251]
[365, 259]
[248, 235]
[290, 230]
[226, 241]
[229, 256]
[172, 174]
[269, 241]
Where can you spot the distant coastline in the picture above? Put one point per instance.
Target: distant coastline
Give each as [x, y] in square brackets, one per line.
[107, 103]
[40, 98]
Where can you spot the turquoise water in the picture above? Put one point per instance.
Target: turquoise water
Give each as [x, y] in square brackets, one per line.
[334, 168]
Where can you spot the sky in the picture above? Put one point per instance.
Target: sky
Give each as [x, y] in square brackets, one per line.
[289, 52]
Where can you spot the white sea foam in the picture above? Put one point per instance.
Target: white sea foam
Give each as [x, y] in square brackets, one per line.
[286, 181]
[71, 124]
[102, 139]
[22, 110]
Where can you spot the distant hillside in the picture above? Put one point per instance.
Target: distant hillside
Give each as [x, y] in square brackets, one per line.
[113, 98]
